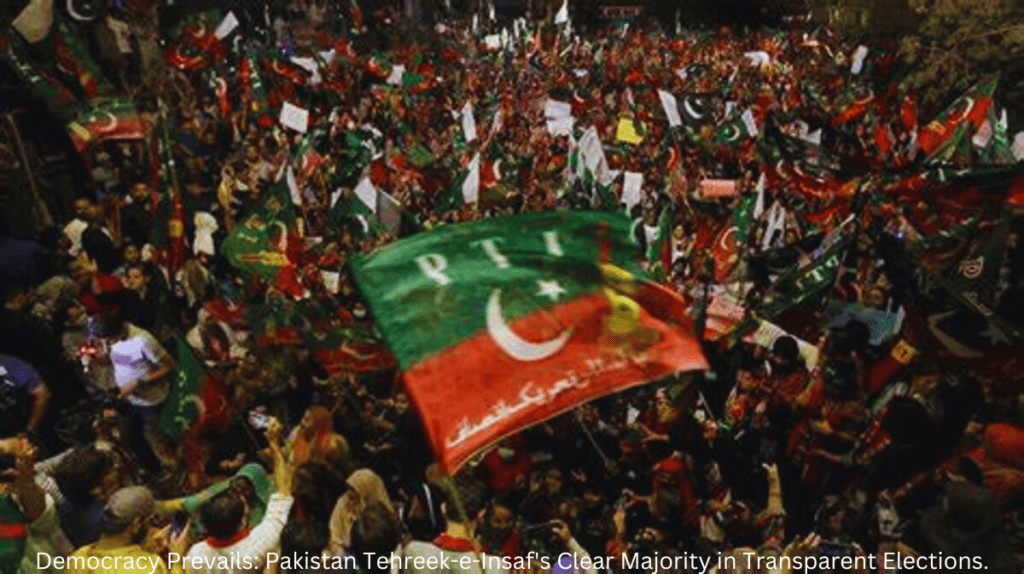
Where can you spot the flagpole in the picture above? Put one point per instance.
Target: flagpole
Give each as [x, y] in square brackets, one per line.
[41, 210]
[590, 437]
[167, 141]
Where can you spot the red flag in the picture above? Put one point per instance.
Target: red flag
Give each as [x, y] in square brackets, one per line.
[726, 252]
[853, 111]
[223, 98]
[356, 358]
[883, 140]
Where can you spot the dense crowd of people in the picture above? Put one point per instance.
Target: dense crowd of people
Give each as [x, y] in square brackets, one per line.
[847, 416]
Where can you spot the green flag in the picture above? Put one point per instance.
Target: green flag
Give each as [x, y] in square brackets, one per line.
[266, 243]
[809, 283]
[183, 405]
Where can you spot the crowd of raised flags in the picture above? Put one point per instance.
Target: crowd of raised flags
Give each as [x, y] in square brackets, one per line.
[725, 149]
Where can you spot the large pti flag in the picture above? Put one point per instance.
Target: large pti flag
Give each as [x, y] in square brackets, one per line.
[506, 322]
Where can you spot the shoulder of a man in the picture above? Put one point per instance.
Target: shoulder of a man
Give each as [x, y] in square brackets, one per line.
[19, 373]
[147, 339]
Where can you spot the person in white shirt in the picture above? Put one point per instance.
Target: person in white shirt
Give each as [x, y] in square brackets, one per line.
[444, 555]
[230, 547]
[142, 374]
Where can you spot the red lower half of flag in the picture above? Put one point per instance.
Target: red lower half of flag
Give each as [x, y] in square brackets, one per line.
[358, 358]
[475, 393]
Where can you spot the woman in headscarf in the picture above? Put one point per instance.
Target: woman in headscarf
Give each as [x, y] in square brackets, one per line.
[365, 488]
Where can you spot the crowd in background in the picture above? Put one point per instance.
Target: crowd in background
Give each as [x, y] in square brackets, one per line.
[853, 430]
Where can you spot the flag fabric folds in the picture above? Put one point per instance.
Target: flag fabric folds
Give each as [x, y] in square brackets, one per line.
[183, 405]
[503, 323]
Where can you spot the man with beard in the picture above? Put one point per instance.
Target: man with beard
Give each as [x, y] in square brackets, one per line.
[125, 526]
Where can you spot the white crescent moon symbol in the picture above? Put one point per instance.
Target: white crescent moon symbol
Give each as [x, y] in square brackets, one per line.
[282, 243]
[970, 106]
[725, 236]
[689, 109]
[514, 345]
[197, 401]
[192, 60]
[74, 13]
[109, 127]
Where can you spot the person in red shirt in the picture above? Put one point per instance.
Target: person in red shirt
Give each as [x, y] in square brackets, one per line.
[98, 292]
[506, 466]
[500, 535]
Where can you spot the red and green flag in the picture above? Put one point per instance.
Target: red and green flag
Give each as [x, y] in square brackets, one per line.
[940, 138]
[72, 58]
[506, 322]
[267, 243]
[107, 120]
[58, 98]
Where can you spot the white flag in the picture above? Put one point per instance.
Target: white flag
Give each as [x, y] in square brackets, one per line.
[776, 223]
[389, 211]
[759, 204]
[563, 13]
[496, 124]
[559, 117]
[293, 188]
[668, 101]
[984, 134]
[858, 59]
[560, 126]
[468, 123]
[632, 184]
[35, 21]
[294, 117]
[227, 26]
[367, 193]
[395, 79]
[591, 152]
[471, 185]
[1018, 146]
[748, 120]
[758, 58]
[331, 280]
[310, 65]
[553, 109]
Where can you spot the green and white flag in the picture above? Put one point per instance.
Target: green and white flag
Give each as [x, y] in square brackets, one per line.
[183, 405]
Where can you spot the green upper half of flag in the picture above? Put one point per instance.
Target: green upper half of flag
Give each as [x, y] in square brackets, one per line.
[259, 243]
[182, 406]
[433, 290]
